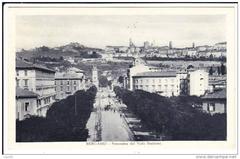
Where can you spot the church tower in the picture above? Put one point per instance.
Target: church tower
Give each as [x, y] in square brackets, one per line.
[131, 43]
[95, 76]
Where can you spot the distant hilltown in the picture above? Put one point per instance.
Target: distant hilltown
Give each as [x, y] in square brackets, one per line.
[76, 51]
[148, 50]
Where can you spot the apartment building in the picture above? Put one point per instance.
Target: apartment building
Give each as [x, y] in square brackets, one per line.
[67, 83]
[37, 79]
[197, 82]
[215, 102]
[138, 66]
[26, 103]
[165, 83]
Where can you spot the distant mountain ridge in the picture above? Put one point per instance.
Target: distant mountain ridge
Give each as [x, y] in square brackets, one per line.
[72, 49]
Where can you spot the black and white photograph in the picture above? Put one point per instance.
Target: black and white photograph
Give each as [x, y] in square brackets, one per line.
[93, 74]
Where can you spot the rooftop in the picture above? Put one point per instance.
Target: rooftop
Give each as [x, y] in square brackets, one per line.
[68, 75]
[156, 74]
[77, 70]
[219, 94]
[221, 43]
[22, 93]
[21, 64]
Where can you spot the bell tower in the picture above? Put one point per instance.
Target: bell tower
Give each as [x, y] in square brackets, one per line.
[95, 76]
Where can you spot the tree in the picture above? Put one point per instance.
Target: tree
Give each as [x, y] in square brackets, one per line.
[211, 71]
[190, 66]
[211, 57]
[61, 58]
[175, 117]
[219, 70]
[43, 48]
[223, 69]
[120, 79]
[103, 81]
[65, 121]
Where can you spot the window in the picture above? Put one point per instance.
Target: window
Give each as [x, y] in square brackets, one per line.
[153, 80]
[61, 82]
[159, 80]
[17, 82]
[47, 100]
[75, 88]
[211, 107]
[25, 72]
[67, 82]
[26, 106]
[68, 88]
[17, 72]
[160, 87]
[61, 88]
[74, 82]
[153, 87]
[39, 102]
[166, 86]
[147, 88]
[25, 82]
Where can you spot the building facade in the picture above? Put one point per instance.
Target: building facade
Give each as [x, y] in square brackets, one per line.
[26, 103]
[138, 66]
[95, 77]
[215, 102]
[163, 83]
[39, 80]
[193, 82]
[198, 82]
[67, 83]
[182, 75]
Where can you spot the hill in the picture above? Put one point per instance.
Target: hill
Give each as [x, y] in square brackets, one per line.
[71, 49]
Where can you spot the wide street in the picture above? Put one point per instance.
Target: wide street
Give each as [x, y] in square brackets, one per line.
[106, 122]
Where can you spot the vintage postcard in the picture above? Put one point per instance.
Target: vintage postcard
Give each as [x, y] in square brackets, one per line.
[120, 78]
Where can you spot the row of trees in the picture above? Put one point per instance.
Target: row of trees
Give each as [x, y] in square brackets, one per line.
[175, 117]
[221, 70]
[188, 58]
[65, 121]
[104, 82]
[48, 59]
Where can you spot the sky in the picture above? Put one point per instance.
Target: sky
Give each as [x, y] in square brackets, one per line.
[98, 31]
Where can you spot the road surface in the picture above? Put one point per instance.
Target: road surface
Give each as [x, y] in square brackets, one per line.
[106, 122]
